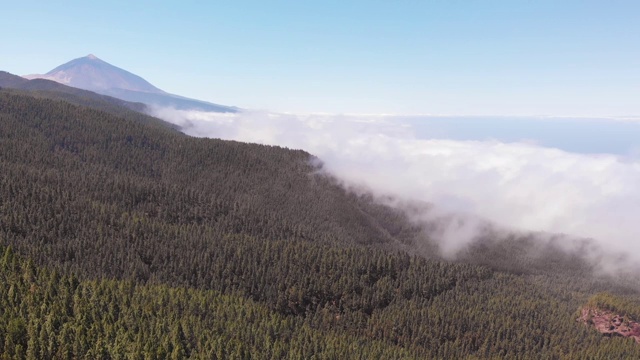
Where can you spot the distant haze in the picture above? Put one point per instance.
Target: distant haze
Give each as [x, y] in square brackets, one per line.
[619, 136]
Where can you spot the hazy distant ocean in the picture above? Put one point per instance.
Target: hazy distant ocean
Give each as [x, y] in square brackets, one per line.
[577, 135]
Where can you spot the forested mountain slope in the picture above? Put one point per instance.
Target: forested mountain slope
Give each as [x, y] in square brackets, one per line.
[48, 316]
[92, 184]
[233, 250]
[53, 90]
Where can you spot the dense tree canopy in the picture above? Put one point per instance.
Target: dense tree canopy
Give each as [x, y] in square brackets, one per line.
[133, 240]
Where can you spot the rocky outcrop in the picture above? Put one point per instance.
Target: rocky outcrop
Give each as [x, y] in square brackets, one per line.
[610, 324]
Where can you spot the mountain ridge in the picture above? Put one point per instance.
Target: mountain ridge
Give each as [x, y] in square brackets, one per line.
[93, 74]
[54, 90]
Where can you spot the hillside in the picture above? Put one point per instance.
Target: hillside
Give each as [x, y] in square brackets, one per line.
[53, 90]
[247, 251]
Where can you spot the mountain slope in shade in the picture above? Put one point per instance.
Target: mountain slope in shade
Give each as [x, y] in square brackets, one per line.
[9, 80]
[91, 73]
[53, 90]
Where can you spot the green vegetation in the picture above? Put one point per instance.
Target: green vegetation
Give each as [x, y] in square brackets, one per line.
[135, 241]
[620, 305]
[46, 315]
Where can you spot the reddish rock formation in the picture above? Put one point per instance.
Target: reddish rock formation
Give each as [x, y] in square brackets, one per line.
[610, 323]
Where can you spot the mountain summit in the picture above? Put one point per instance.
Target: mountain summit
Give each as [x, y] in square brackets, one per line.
[94, 74]
[91, 73]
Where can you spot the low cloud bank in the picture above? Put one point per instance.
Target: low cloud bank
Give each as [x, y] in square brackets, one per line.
[515, 185]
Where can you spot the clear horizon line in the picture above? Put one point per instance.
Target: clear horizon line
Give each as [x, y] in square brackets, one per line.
[448, 115]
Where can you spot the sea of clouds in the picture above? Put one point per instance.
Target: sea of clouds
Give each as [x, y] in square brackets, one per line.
[515, 181]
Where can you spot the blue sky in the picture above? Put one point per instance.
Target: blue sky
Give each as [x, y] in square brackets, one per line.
[568, 58]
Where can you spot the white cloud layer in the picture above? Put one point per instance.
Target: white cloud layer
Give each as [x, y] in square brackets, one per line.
[517, 185]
